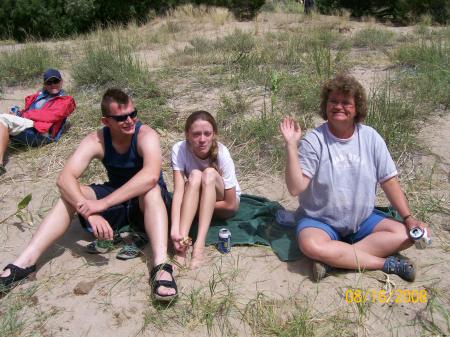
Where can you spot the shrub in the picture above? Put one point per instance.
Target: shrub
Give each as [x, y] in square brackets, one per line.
[426, 67]
[20, 19]
[231, 108]
[45, 18]
[25, 64]
[113, 64]
[393, 118]
[401, 11]
[373, 38]
[52, 18]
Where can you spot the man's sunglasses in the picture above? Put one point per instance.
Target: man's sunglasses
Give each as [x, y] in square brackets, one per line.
[52, 81]
[123, 118]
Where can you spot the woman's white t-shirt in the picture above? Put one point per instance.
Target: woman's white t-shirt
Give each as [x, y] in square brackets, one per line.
[183, 159]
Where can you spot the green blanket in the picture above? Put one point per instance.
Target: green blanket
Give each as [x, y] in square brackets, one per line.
[254, 224]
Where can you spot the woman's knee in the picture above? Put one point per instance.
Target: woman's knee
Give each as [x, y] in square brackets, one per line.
[394, 228]
[209, 176]
[312, 248]
[195, 179]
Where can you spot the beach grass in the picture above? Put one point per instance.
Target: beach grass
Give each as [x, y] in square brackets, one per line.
[249, 79]
[25, 64]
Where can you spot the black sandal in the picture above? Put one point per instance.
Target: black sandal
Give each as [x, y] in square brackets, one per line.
[165, 283]
[17, 274]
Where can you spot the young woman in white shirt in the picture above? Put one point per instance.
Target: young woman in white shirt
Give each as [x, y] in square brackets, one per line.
[204, 184]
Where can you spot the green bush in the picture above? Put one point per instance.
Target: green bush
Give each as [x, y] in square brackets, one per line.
[401, 11]
[155, 113]
[394, 118]
[20, 19]
[25, 64]
[113, 64]
[231, 108]
[242, 9]
[425, 69]
[373, 38]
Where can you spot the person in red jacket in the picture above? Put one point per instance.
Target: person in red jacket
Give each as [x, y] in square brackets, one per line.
[42, 118]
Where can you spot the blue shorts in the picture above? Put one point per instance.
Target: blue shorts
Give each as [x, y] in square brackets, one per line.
[365, 228]
[127, 213]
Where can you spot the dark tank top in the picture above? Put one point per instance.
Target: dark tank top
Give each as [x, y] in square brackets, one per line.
[121, 167]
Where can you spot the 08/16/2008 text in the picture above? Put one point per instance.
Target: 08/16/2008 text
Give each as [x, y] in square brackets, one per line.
[383, 296]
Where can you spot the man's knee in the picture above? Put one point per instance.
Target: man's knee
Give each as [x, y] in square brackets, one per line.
[151, 196]
[88, 192]
[4, 130]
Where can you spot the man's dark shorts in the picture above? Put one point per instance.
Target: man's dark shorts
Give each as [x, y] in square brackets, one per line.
[30, 137]
[125, 214]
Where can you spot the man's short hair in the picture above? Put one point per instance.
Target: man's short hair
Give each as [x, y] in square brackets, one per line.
[113, 95]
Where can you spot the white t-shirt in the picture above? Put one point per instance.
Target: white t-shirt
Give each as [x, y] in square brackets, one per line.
[344, 175]
[184, 160]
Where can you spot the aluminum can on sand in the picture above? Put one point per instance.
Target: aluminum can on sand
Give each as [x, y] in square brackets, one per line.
[224, 241]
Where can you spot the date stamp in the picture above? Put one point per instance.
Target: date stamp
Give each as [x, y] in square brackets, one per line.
[383, 296]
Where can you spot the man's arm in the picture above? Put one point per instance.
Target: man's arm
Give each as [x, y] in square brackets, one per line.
[143, 181]
[69, 187]
[53, 111]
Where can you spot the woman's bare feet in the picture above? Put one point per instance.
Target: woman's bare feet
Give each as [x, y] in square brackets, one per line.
[198, 257]
[180, 259]
[181, 246]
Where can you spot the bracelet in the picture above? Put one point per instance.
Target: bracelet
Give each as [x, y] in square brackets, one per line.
[406, 217]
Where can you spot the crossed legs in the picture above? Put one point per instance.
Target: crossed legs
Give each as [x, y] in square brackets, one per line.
[201, 192]
[387, 238]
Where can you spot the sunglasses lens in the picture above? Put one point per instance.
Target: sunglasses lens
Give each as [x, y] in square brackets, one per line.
[52, 81]
[123, 118]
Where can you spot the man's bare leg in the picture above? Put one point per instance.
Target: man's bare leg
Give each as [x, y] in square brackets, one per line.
[155, 219]
[4, 140]
[54, 225]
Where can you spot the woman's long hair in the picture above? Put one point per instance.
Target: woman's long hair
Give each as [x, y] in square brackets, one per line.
[214, 150]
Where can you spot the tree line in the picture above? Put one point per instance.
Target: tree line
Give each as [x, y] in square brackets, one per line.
[22, 19]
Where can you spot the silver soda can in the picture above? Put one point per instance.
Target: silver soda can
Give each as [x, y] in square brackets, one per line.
[420, 237]
[224, 241]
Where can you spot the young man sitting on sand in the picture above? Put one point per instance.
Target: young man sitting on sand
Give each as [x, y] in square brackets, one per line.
[131, 154]
[42, 118]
